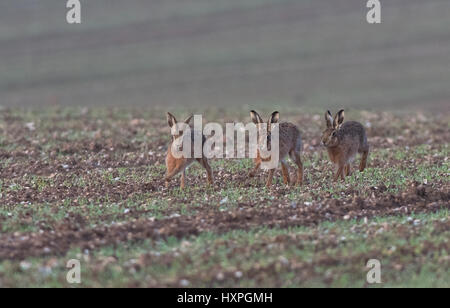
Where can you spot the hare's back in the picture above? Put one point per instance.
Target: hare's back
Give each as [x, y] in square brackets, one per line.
[290, 134]
[354, 130]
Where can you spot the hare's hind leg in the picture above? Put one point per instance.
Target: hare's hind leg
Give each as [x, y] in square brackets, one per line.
[204, 162]
[295, 156]
[285, 171]
[364, 156]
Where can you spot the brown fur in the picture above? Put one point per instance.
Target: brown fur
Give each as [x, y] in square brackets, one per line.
[178, 165]
[343, 141]
[290, 143]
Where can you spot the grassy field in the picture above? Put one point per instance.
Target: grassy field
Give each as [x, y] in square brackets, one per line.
[88, 184]
[215, 52]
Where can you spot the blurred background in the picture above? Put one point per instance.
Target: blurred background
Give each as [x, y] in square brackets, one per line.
[305, 53]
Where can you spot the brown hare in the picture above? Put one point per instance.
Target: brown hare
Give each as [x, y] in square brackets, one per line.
[177, 163]
[290, 142]
[343, 141]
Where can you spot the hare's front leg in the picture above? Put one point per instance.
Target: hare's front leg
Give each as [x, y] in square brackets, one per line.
[173, 168]
[348, 170]
[256, 168]
[183, 179]
[339, 173]
[270, 178]
[174, 172]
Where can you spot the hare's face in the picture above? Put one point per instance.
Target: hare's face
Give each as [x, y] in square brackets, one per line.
[330, 138]
[178, 129]
[264, 137]
[264, 129]
[330, 134]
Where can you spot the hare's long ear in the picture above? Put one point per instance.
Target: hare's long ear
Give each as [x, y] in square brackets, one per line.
[171, 120]
[338, 119]
[274, 118]
[329, 119]
[256, 118]
[189, 119]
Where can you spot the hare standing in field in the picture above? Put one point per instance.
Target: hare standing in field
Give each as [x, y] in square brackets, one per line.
[290, 142]
[343, 141]
[176, 164]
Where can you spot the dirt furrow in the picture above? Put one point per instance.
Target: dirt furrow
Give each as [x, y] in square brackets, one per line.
[417, 199]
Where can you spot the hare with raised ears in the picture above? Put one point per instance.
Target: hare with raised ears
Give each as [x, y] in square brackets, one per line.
[343, 141]
[290, 143]
[178, 163]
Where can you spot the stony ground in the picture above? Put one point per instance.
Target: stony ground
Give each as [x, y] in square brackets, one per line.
[88, 184]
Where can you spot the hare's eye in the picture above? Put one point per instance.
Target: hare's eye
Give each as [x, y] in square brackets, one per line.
[334, 134]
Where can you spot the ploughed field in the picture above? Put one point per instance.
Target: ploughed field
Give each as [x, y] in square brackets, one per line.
[88, 184]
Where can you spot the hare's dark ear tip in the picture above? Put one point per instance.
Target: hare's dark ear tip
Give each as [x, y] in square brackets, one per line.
[189, 118]
[253, 113]
[329, 112]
